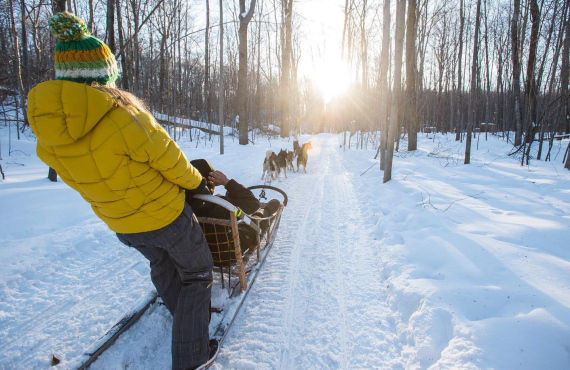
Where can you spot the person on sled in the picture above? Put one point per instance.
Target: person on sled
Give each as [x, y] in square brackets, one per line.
[104, 143]
[236, 194]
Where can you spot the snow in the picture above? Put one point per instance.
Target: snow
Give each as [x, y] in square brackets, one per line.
[446, 266]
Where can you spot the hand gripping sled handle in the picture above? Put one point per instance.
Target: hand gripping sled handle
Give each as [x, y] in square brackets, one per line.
[240, 215]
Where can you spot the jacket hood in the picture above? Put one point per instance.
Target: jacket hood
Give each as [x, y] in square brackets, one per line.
[62, 112]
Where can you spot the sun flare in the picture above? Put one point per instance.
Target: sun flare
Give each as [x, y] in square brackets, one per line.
[315, 146]
[332, 79]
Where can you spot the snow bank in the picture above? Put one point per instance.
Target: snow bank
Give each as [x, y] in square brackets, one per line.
[476, 257]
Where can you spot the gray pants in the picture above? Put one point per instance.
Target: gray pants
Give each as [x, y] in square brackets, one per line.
[181, 270]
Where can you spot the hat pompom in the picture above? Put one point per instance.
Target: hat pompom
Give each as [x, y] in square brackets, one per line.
[67, 27]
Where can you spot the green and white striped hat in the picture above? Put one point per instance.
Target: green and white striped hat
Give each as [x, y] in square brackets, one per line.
[79, 56]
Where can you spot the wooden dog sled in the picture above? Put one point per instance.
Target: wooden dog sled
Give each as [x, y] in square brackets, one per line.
[225, 236]
[224, 242]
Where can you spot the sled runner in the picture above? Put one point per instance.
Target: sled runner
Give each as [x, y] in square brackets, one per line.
[223, 237]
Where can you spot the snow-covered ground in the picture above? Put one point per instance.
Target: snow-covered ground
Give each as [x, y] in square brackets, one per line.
[445, 266]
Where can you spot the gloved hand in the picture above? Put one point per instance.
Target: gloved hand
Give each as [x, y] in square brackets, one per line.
[201, 189]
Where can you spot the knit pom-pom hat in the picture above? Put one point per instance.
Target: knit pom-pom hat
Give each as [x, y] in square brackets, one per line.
[79, 56]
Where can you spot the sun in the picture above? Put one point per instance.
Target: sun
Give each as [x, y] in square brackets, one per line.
[332, 79]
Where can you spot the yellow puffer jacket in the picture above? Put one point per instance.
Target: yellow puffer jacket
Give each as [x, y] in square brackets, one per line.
[134, 180]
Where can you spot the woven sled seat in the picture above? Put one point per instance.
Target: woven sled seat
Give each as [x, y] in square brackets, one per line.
[234, 241]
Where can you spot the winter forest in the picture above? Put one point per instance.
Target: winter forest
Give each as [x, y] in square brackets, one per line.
[456, 67]
[426, 229]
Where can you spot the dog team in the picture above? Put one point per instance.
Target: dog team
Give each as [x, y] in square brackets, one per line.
[283, 161]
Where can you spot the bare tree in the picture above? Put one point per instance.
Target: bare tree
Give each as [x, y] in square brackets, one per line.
[57, 6]
[383, 82]
[111, 25]
[287, 14]
[347, 11]
[565, 71]
[516, 71]
[206, 92]
[397, 89]
[474, 85]
[564, 77]
[411, 75]
[530, 86]
[459, 74]
[221, 80]
[364, 48]
[25, 59]
[125, 63]
[17, 65]
[242, 91]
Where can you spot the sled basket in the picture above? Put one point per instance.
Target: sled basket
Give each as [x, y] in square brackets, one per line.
[235, 240]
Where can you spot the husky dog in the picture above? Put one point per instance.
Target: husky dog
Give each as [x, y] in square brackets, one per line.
[303, 156]
[290, 157]
[282, 162]
[269, 166]
[296, 147]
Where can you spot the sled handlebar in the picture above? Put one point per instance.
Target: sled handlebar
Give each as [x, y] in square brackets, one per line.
[271, 188]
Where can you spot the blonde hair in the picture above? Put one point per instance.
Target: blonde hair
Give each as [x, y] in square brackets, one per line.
[125, 100]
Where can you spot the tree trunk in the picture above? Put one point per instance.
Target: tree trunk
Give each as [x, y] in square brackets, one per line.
[135, 9]
[383, 83]
[287, 9]
[111, 25]
[547, 49]
[91, 21]
[564, 77]
[258, 108]
[459, 73]
[57, 6]
[242, 91]
[364, 51]
[18, 66]
[567, 164]
[487, 75]
[347, 11]
[531, 80]
[207, 65]
[125, 78]
[411, 74]
[516, 71]
[221, 80]
[474, 88]
[25, 59]
[397, 90]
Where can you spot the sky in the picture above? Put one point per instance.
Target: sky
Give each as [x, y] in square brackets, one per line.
[322, 23]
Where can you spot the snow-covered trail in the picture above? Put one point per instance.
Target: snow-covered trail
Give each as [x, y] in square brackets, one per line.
[319, 301]
[446, 266]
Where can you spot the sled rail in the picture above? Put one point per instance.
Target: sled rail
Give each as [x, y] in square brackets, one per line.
[119, 328]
